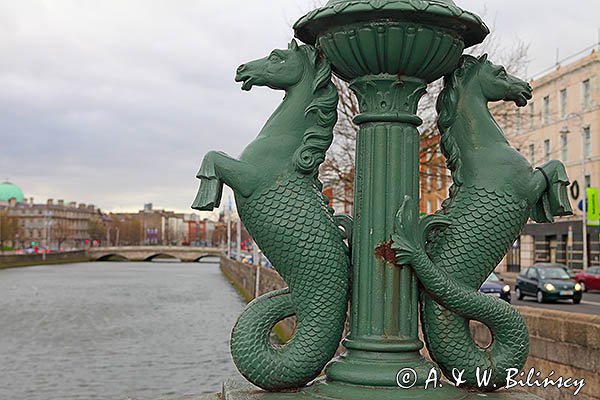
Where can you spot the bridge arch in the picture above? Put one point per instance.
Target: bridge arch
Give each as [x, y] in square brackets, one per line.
[111, 257]
[199, 258]
[162, 256]
[148, 253]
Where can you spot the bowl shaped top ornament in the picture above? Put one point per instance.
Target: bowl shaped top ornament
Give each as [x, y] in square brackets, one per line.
[418, 38]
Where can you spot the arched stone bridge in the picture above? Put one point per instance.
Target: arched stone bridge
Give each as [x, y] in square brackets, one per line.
[147, 253]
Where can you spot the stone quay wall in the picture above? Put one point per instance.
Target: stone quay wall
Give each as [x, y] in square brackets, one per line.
[22, 260]
[243, 277]
[566, 343]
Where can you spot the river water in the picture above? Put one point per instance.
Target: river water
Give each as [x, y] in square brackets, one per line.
[115, 330]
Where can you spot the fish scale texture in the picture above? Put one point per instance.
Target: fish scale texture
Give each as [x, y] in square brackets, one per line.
[293, 226]
[483, 226]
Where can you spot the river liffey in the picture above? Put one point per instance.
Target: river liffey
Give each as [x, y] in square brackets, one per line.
[115, 330]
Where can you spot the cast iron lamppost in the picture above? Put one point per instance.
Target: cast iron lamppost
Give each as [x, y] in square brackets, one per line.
[583, 187]
[388, 51]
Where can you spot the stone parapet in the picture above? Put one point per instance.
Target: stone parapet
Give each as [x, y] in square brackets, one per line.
[566, 343]
[243, 277]
[22, 260]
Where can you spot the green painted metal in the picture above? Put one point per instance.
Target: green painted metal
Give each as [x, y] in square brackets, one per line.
[495, 190]
[388, 50]
[278, 197]
[328, 390]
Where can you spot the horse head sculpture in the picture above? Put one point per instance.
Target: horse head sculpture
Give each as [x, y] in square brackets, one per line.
[495, 190]
[278, 197]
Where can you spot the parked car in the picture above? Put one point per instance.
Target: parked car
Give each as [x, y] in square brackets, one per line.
[547, 283]
[589, 279]
[568, 270]
[493, 286]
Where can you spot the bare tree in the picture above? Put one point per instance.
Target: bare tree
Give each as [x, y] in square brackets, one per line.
[9, 229]
[60, 231]
[130, 232]
[338, 168]
[127, 228]
[97, 228]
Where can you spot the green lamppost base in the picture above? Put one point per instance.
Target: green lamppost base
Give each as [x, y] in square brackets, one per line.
[387, 51]
[328, 390]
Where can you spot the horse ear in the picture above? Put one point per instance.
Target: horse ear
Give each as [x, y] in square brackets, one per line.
[483, 58]
[293, 45]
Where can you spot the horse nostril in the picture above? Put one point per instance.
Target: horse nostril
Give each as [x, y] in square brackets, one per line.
[241, 68]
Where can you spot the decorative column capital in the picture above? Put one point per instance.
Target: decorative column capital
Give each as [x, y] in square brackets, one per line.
[388, 98]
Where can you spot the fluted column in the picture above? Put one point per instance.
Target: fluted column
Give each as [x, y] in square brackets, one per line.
[384, 310]
[387, 50]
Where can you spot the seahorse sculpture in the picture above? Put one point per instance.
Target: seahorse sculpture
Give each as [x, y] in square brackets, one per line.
[495, 190]
[278, 196]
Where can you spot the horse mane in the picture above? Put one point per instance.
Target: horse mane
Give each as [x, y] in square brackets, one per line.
[446, 105]
[317, 137]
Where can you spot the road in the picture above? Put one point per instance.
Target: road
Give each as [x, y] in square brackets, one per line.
[590, 304]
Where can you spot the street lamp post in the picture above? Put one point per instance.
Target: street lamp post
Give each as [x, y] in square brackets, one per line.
[388, 51]
[48, 225]
[238, 239]
[388, 62]
[565, 130]
[229, 229]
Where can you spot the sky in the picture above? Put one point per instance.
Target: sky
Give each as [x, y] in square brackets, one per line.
[115, 102]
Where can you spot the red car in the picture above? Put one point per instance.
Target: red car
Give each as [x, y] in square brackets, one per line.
[590, 279]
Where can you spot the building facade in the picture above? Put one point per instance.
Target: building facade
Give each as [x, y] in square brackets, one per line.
[53, 225]
[561, 122]
[434, 177]
[59, 225]
[198, 231]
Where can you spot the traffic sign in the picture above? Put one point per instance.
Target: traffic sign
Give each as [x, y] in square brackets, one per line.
[593, 213]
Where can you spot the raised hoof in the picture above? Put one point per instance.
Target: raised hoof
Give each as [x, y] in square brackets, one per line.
[209, 195]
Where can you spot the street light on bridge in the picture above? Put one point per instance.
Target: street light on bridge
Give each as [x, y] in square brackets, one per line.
[565, 130]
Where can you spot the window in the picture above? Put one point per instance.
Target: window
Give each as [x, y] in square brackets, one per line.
[428, 206]
[518, 120]
[563, 103]
[588, 181]
[532, 153]
[564, 147]
[531, 115]
[588, 141]
[546, 110]
[586, 94]
[428, 178]
[440, 182]
[547, 150]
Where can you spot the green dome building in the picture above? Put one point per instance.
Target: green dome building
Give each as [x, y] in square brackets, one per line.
[8, 191]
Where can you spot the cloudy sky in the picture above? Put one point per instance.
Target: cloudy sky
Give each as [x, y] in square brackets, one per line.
[115, 102]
